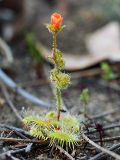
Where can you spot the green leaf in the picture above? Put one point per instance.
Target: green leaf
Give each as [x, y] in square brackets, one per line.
[107, 74]
[84, 96]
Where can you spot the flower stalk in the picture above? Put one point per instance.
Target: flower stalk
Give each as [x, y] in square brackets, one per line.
[57, 69]
[61, 80]
[85, 99]
[58, 102]
[54, 49]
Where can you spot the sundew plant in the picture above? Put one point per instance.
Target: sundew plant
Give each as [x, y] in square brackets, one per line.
[57, 128]
[107, 74]
[84, 98]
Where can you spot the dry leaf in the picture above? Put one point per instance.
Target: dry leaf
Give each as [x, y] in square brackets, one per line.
[105, 42]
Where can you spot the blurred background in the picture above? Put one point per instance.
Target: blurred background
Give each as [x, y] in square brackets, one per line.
[80, 17]
[91, 34]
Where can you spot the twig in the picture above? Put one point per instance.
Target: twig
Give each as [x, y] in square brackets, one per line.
[10, 134]
[29, 141]
[104, 113]
[108, 139]
[14, 140]
[19, 134]
[106, 151]
[8, 81]
[86, 73]
[10, 102]
[5, 49]
[8, 153]
[102, 154]
[29, 147]
[15, 128]
[66, 153]
[111, 126]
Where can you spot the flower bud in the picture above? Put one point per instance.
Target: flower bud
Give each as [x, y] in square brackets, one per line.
[63, 80]
[60, 79]
[56, 20]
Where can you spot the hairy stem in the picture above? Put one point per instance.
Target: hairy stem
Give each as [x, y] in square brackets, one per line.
[57, 89]
[54, 49]
[58, 102]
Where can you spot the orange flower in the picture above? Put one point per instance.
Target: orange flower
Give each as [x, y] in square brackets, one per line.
[56, 20]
